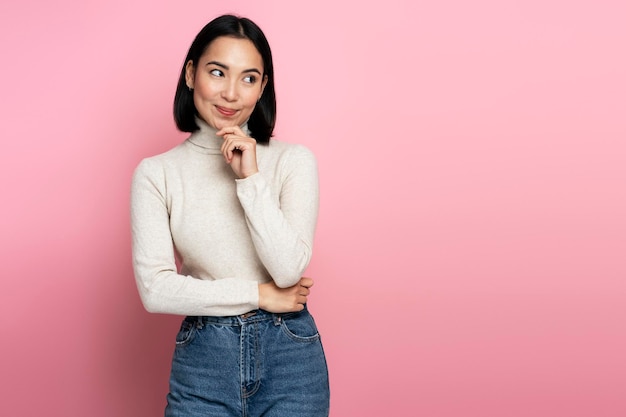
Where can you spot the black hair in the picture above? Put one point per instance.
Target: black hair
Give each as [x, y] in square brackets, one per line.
[263, 118]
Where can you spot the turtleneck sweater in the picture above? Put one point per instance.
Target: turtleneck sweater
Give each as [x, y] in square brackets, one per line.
[203, 240]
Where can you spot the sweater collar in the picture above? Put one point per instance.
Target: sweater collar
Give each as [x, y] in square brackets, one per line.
[205, 139]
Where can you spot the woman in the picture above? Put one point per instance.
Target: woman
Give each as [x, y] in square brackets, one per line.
[238, 211]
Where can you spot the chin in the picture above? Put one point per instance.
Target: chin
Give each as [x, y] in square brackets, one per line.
[219, 123]
[215, 124]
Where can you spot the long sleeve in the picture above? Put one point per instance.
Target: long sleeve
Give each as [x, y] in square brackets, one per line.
[203, 240]
[282, 227]
[161, 288]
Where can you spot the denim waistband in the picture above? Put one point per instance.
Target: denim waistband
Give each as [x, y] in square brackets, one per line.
[249, 317]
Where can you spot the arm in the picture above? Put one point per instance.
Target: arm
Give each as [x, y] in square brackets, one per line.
[283, 300]
[283, 230]
[161, 288]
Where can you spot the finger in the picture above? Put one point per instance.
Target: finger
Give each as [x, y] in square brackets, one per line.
[225, 130]
[228, 155]
[233, 143]
[224, 148]
[237, 146]
[233, 130]
[306, 282]
[230, 146]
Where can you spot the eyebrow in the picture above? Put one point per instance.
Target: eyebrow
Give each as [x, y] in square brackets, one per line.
[219, 64]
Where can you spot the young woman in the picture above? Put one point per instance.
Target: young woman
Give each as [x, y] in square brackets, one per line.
[238, 212]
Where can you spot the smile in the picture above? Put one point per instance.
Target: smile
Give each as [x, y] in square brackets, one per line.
[226, 112]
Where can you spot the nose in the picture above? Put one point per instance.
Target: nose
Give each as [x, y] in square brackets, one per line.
[230, 93]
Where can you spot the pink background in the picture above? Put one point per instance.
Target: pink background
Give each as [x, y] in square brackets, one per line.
[470, 250]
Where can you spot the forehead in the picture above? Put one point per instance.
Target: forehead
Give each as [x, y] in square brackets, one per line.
[233, 52]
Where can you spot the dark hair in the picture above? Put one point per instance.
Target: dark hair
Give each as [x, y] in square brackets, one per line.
[263, 117]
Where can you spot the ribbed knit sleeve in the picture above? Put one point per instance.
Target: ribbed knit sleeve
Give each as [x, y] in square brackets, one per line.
[161, 287]
[283, 228]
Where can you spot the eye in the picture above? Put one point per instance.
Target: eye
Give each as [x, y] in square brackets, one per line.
[250, 79]
[216, 72]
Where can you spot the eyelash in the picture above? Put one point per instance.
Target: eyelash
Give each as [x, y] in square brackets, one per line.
[250, 79]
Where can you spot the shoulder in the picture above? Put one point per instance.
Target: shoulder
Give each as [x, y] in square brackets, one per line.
[155, 167]
[294, 163]
[162, 160]
[292, 153]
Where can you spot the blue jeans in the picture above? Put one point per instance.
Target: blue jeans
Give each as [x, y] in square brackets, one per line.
[253, 365]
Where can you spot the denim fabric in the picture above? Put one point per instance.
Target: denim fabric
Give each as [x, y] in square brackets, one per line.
[257, 364]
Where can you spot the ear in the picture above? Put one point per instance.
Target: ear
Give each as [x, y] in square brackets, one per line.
[265, 78]
[190, 72]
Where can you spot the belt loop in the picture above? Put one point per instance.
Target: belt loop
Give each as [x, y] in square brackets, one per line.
[199, 324]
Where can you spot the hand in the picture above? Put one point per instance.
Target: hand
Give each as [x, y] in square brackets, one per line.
[239, 151]
[284, 300]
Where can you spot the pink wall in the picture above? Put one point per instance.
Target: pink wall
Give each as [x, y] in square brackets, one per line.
[470, 251]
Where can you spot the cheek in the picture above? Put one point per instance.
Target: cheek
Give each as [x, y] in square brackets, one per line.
[204, 91]
[252, 98]
[204, 87]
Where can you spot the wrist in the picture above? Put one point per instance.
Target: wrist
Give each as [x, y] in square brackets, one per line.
[245, 175]
[261, 288]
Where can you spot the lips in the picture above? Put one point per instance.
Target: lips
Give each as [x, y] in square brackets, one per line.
[226, 111]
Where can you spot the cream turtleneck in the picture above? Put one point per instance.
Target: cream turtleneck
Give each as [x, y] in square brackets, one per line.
[229, 234]
[206, 138]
